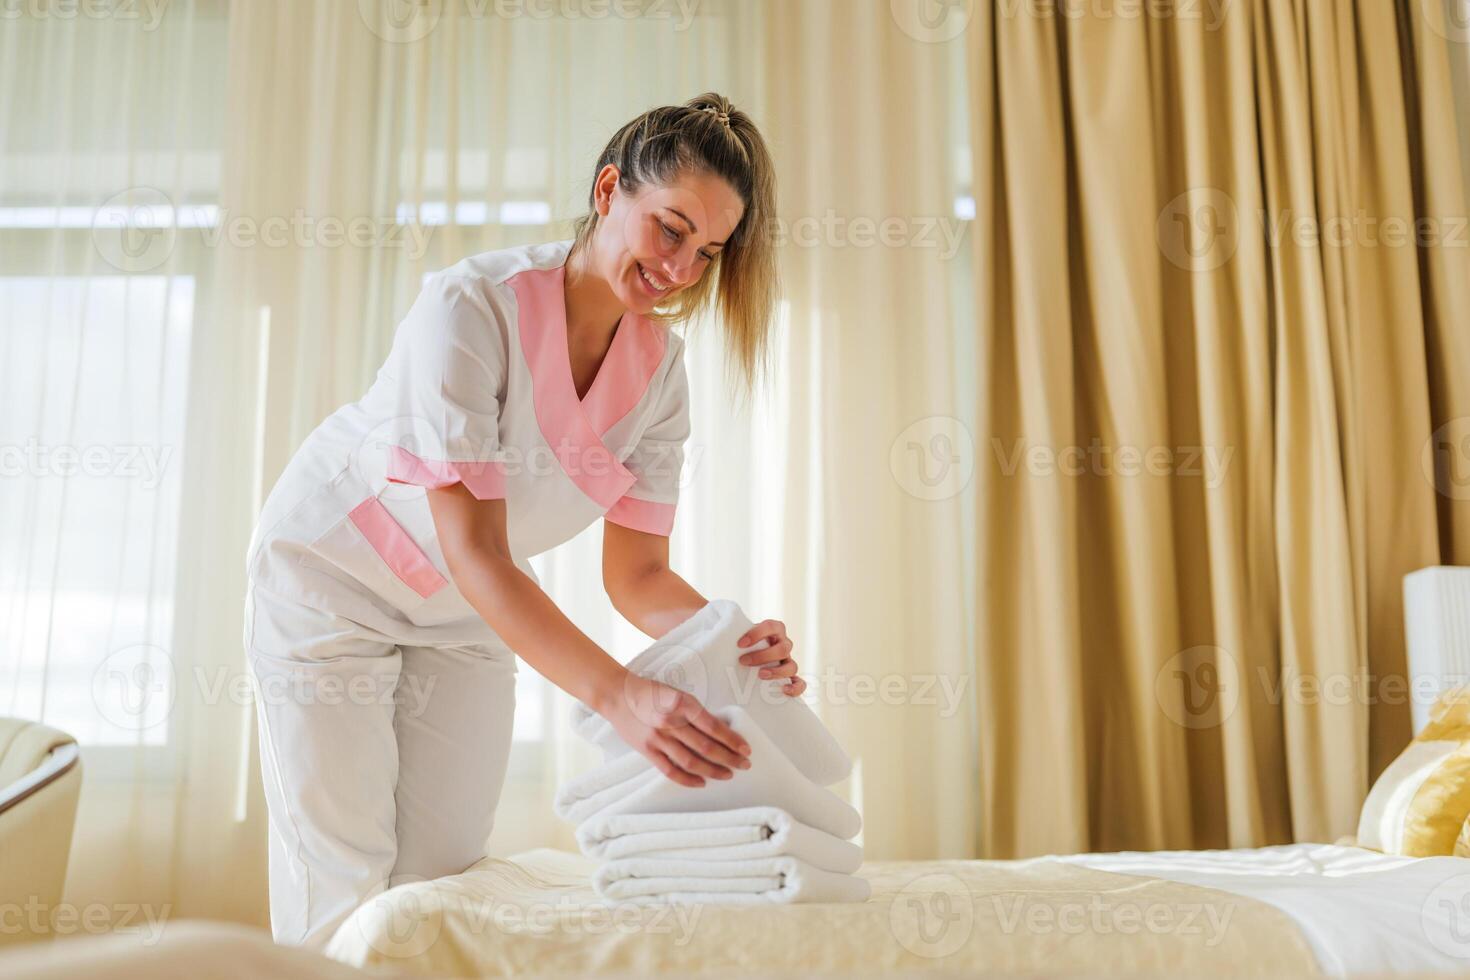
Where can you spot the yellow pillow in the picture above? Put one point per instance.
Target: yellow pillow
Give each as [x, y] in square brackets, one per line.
[1462, 844]
[1419, 806]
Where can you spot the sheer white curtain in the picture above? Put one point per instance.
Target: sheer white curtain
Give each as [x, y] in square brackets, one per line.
[210, 224]
[111, 122]
[867, 111]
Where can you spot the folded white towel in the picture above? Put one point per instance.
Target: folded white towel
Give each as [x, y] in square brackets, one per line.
[631, 784]
[701, 657]
[658, 881]
[720, 835]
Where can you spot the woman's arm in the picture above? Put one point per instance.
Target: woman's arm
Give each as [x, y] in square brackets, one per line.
[648, 594]
[640, 583]
[670, 727]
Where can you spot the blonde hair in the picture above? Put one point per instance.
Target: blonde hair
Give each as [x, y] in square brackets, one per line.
[709, 135]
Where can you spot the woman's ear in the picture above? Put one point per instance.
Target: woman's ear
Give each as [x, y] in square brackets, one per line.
[607, 182]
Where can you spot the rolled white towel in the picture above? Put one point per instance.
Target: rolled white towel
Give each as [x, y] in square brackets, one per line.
[631, 784]
[701, 657]
[755, 881]
[718, 835]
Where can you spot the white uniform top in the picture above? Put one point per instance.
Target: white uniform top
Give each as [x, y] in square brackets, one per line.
[477, 389]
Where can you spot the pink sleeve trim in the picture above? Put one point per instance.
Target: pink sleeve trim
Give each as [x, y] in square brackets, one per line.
[643, 515]
[486, 480]
[396, 548]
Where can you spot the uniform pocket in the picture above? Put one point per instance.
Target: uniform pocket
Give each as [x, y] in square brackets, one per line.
[369, 543]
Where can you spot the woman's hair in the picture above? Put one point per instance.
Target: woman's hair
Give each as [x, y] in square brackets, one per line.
[709, 135]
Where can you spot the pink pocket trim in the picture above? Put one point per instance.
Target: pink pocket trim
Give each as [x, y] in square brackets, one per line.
[396, 548]
[643, 515]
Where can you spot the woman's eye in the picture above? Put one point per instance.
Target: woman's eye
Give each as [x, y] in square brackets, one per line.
[706, 256]
[669, 233]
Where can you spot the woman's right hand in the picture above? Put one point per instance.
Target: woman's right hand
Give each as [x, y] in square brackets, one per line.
[675, 732]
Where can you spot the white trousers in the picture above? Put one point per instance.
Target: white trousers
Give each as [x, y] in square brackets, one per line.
[382, 762]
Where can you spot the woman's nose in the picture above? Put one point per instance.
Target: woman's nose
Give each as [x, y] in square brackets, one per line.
[678, 269]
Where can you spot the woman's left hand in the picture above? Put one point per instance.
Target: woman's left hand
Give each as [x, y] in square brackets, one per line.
[775, 660]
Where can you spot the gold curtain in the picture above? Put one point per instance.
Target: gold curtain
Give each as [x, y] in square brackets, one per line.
[1219, 362]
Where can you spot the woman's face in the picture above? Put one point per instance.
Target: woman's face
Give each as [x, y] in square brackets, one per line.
[652, 244]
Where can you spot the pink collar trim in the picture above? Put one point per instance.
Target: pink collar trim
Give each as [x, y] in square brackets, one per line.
[626, 371]
[574, 428]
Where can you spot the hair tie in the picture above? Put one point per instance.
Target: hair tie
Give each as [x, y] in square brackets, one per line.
[719, 114]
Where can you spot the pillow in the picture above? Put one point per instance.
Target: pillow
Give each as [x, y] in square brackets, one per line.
[1462, 845]
[1419, 805]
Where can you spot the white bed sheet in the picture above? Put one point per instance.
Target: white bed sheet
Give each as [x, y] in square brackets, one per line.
[1362, 912]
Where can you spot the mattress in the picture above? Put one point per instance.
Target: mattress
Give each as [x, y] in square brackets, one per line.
[1298, 910]
[1362, 913]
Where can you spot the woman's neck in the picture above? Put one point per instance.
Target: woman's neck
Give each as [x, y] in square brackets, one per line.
[593, 309]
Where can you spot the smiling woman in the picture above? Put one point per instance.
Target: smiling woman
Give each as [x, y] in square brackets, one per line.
[528, 392]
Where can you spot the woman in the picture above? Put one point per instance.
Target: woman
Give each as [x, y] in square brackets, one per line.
[528, 392]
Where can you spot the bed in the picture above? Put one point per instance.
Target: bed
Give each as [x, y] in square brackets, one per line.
[1293, 910]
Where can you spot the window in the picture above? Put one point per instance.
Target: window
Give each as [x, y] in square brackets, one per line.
[92, 411]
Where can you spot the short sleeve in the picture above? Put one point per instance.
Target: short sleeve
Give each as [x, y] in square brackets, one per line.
[447, 376]
[658, 459]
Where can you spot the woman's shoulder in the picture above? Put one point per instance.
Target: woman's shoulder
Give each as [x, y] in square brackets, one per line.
[496, 267]
[476, 289]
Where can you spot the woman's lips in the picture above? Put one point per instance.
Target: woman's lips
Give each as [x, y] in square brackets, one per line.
[639, 274]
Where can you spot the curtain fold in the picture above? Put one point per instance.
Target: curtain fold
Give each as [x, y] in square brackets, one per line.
[1199, 281]
[875, 577]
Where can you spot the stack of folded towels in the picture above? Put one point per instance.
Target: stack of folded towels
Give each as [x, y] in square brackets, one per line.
[771, 833]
